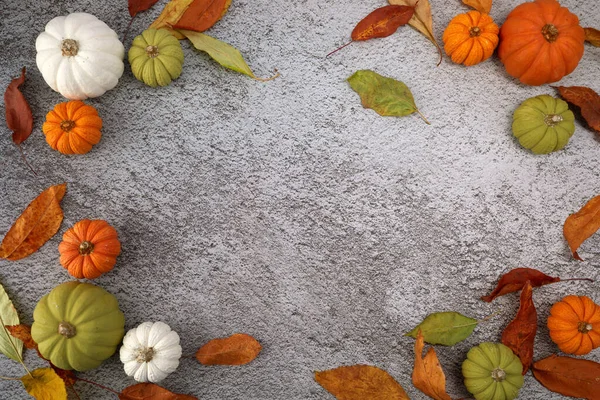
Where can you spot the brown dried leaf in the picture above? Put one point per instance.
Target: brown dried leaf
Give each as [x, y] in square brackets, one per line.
[483, 6]
[515, 279]
[237, 349]
[382, 22]
[573, 377]
[23, 333]
[581, 225]
[360, 382]
[592, 36]
[202, 14]
[519, 334]
[136, 6]
[586, 99]
[38, 223]
[18, 113]
[170, 15]
[151, 391]
[428, 375]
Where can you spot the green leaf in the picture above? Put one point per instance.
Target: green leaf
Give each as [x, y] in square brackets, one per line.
[387, 96]
[8, 316]
[446, 328]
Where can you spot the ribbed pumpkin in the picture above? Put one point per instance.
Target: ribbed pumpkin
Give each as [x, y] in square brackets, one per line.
[156, 57]
[77, 325]
[493, 372]
[574, 325]
[543, 124]
[72, 127]
[89, 249]
[470, 38]
[541, 42]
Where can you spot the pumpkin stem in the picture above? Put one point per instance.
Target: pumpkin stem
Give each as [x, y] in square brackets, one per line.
[475, 31]
[498, 375]
[553, 119]
[145, 355]
[66, 329]
[67, 125]
[152, 51]
[550, 32]
[86, 248]
[584, 327]
[69, 47]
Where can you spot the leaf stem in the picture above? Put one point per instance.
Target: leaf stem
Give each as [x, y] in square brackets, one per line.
[338, 49]
[577, 279]
[76, 394]
[276, 75]
[99, 385]
[10, 337]
[490, 316]
[127, 29]
[422, 116]
[25, 159]
[7, 378]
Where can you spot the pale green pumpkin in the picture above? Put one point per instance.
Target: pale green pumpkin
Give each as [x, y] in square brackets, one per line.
[77, 325]
[543, 124]
[156, 57]
[492, 372]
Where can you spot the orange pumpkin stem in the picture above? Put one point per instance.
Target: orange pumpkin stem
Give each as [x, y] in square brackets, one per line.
[475, 31]
[69, 47]
[152, 51]
[584, 327]
[67, 125]
[550, 32]
[66, 329]
[86, 248]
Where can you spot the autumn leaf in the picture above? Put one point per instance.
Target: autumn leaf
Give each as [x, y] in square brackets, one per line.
[519, 334]
[382, 22]
[360, 382]
[515, 279]
[237, 349]
[573, 377]
[170, 15]
[446, 328]
[44, 384]
[387, 96]
[67, 376]
[580, 226]
[136, 6]
[422, 20]
[483, 6]
[38, 223]
[23, 333]
[18, 113]
[202, 14]
[586, 99]
[151, 391]
[9, 345]
[592, 36]
[428, 375]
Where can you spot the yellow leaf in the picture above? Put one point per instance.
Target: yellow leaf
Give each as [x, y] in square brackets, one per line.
[360, 382]
[45, 384]
[483, 6]
[169, 16]
[592, 36]
[428, 375]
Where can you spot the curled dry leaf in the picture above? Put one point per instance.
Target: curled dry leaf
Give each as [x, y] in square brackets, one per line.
[382, 22]
[170, 15]
[483, 6]
[44, 384]
[9, 345]
[592, 36]
[587, 100]
[136, 6]
[202, 14]
[519, 334]
[18, 113]
[445, 328]
[360, 382]
[515, 279]
[38, 223]
[237, 349]
[573, 377]
[580, 226]
[151, 391]
[428, 375]
[23, 333]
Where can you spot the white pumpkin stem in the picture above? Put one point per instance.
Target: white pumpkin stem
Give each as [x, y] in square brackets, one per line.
[69, 47]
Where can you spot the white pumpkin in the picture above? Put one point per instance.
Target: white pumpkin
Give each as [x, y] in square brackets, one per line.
[79, 56]
[150, 352]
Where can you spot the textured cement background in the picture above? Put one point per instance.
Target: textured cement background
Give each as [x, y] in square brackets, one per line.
[287, 211]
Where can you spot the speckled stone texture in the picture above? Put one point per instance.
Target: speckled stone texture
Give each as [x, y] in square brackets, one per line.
[287, 211]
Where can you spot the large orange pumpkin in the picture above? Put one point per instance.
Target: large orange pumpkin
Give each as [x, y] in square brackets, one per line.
[470, 38]
[574, 325]
[541, 42]
[89, 249]
[72, 127]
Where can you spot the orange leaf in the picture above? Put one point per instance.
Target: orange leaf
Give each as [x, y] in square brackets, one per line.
[360, 382]
[151, 391]
[382, 22]
[586, 99]
[23, 333]
[66, 375]
[237, 349]
[573, 377]
[202, 14]
[136, 6]
[581, 225]
[483, 6]
[515, 279]
[170, 15]
[428, 375]
[519, 334]
[38, 223]
[18, 113]
[592, 36]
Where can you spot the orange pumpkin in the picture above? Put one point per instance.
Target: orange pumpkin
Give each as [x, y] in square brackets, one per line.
[574, 325]
[89, 249]
[541, 42]
[470, 38]
[72, 127]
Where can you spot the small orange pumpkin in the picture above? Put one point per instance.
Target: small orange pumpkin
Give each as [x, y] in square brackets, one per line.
[470, 38]
[89, 249]
[540, 42]
[574, 325]
[72, 127]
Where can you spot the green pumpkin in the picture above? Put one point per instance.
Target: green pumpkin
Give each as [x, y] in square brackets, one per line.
[543, 124]
[77, 325]
[156, 57]
[492, 372]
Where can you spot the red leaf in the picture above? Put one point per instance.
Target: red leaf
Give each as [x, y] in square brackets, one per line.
[569, 376]
[136, 6]
[382, 22]
[586, 99]
[519, 335]
[202, 14]
[18, 113]
[514, 281]
[23, 333]
[580, 226]
[150, 391]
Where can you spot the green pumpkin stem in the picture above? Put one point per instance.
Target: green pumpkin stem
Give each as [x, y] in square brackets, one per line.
[498, 375]
[553, 119]
[152, 51]
[67, 330]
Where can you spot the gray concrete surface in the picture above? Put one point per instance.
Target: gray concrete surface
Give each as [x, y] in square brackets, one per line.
[287, 211]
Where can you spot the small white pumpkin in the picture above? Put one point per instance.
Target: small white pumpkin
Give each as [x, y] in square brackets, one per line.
[150, 352]
[79, 56]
